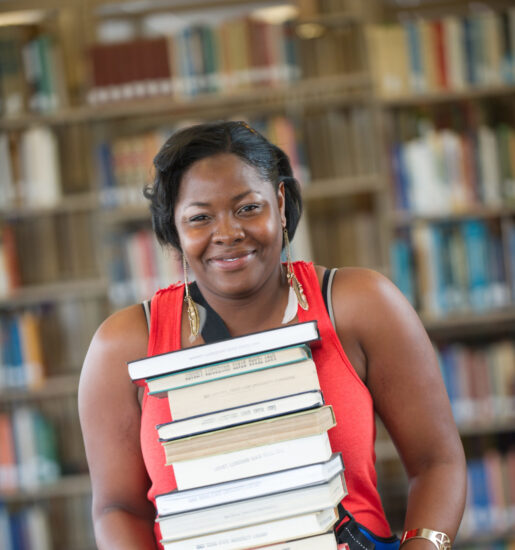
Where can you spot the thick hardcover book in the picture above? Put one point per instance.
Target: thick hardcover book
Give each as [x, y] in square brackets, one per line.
[256, 510]
[199, 375]
[207, 354]
[263, 432]
[240, 415]
[176, 502]
[241, 390]
[263, 533]
[326, 541]
[253, 461]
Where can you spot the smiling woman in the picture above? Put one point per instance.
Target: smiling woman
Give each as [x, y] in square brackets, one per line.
[226, 199]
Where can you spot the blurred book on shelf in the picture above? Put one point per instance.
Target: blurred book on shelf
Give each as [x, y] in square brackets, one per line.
[443, 54]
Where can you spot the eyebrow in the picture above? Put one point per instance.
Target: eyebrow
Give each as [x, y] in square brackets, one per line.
[235, 198]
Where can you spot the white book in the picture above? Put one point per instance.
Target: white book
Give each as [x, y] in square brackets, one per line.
[250, 363]
[206, 354]
[252, 511]
[244, 389]
[176, 502]
[320, 542]
[240, 415]
[260, 534]
[252, 462]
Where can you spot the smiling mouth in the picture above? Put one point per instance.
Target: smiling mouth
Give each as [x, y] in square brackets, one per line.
[236, 260]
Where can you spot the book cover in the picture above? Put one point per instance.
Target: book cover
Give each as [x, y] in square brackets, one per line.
[252, 461]
[240, 346]
[243, 389]
[261, 432]
[200, 375]
[260, 534]
[253, 511]
[320, 542]
[238, 415]
[250, 487]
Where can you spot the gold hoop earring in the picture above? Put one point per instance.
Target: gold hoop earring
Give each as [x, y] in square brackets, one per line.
[191, 306]
[290, 275]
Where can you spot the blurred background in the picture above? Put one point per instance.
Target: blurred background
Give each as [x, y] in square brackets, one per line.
[399, 119]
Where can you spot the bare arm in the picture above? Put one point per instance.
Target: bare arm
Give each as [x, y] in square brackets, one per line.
[399, 366]
[110, 414]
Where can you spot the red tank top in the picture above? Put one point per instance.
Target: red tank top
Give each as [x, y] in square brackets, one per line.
[353, 435]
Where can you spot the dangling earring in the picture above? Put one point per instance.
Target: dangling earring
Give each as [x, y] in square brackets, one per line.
[191, 306]
[290, 275]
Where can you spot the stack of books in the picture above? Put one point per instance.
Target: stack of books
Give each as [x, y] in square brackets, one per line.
[248, 444]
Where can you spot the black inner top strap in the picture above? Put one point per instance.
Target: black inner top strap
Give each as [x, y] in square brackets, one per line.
[325, 283]
[214, 328]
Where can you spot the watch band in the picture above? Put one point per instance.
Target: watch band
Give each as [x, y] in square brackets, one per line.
[439, 539]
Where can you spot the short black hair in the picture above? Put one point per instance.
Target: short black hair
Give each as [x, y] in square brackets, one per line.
[194, 143]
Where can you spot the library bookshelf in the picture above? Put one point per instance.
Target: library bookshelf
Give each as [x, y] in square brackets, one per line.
[322, 104]
[441, 84]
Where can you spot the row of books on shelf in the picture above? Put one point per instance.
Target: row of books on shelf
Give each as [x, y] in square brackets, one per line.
[46, 526]
[323, 145]
[30, 172]
[248, 443]
[32, 76]
[48, 340]
[28, 450]
[453, 267]
[449, 53]
[125, 163]
[21, 351]
[237, 53]
[480, 382]
[45, 249]
[490, 506]
[445, 171]
[139, 265]
[25, 529]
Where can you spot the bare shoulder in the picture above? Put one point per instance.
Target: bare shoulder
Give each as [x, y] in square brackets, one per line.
[356, 288]
[122, 337]
[124, 333]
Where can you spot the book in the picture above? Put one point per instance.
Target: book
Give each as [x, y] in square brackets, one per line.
[240, 415]
[199, 375]
[289, 335]
[244, 389]
[176, 502]
[253, 461]
[261, 432]
[326, 541]
[264, 533]
[252, 511]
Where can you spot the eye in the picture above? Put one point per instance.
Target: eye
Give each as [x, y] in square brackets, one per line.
[198, 218]
[248, 208]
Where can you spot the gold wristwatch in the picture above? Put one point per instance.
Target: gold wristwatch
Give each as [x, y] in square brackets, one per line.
[439, 539]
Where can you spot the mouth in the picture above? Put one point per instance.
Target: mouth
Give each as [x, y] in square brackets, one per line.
[233, 260]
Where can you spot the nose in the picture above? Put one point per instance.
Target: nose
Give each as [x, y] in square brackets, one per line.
[228, 230]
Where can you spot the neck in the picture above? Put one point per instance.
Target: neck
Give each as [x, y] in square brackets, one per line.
[260, 310]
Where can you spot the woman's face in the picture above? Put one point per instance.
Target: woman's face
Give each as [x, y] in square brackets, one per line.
[229, 222]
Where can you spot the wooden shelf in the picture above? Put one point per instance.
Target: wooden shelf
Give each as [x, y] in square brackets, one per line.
[66, 486]
[54, 386]
[471, 323]
[482, 427]
[340, 187]
[401, 219]
[51, 292]
[320, 91]
[446, 96]
[73, 203]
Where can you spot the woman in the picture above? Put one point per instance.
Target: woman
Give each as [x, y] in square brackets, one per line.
[227, 200]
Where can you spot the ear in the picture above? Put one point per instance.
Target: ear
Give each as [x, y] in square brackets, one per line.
[281, 201]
